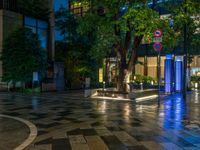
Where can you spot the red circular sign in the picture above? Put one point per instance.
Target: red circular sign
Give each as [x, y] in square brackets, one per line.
[157, 47]
[157, 33]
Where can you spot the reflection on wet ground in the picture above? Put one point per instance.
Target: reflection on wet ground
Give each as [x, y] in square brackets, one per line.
[69, 121]
[12, 133]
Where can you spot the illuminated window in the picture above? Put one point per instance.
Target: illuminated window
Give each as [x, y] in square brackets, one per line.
[79, 8]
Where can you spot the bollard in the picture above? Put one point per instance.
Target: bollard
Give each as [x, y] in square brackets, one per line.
[141, 87]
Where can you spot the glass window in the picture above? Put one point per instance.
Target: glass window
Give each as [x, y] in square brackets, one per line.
[32, 28]
[42, 34]
[39, 27]
[42, 24]
[28, 21]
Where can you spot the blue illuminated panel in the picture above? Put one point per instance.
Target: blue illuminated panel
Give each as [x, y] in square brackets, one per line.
[168, 74]
[178, 74]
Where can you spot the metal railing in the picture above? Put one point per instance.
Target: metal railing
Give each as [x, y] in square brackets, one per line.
[9, 5]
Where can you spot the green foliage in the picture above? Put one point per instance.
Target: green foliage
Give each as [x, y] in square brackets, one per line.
[143, 79]
[35, 8]
[74, 49]
[78, 64]
[195, 78]
[22, 55]
[31, 90]
[66, 23]
[120, 26]
[186, 13]
[111, 29]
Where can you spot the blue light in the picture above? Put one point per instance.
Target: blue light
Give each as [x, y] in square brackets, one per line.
[178, 74]
[174, 111]
[179, 58]
[169, 56]
[123, 9]
[168, 74]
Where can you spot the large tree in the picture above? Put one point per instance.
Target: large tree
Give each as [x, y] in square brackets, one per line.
[120, 26]
[22, 55]
[185, 16]
[73, 48]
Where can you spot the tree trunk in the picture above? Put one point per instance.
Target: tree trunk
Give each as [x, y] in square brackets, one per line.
[134, 55]
[121, 85]
[125, 68]
[122, 79]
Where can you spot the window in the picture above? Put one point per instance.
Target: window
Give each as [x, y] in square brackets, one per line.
[79, 8]
[8, 4]
[38, 26]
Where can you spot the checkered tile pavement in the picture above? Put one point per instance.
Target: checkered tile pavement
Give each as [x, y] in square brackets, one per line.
[68, 121]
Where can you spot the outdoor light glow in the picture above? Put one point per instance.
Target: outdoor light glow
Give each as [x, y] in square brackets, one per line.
[110, 98]
[169, 56]
[179, 58]
[168, 73]
[178, 74]
[126, 99]
[146, 97]
[196, 85]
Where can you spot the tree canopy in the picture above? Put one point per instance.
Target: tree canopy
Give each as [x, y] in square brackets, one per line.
[187, 14]
[35, 8]
[73, 49]
[22, 55]
[121, 26]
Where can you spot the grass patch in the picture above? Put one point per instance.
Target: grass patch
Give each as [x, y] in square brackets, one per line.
[32, 90]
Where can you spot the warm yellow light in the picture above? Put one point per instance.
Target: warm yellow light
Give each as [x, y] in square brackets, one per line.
[100, 75]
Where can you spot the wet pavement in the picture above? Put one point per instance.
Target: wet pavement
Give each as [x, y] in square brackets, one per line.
[12, 133]
[68, 121]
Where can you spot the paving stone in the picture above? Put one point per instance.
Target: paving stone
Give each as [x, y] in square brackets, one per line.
[96, 143]
[69, 120]
[170, 146]
[77, 139]
[43, 147]
[125, 138]
[78, 142]
[151, 145]
[79, 146]
[102, 131]
[113, 143]
[191, 148]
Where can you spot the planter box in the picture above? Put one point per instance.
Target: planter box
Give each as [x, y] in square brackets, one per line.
[139, 94]
[48, 87]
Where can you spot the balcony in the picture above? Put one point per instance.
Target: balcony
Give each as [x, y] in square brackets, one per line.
[8, 5]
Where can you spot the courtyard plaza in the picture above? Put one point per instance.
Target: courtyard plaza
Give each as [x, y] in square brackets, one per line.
[68, 121]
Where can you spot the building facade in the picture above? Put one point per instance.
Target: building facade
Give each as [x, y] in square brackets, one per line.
[9, 21]
[12, 18]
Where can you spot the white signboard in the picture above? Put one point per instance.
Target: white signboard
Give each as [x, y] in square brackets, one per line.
[157, 39]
